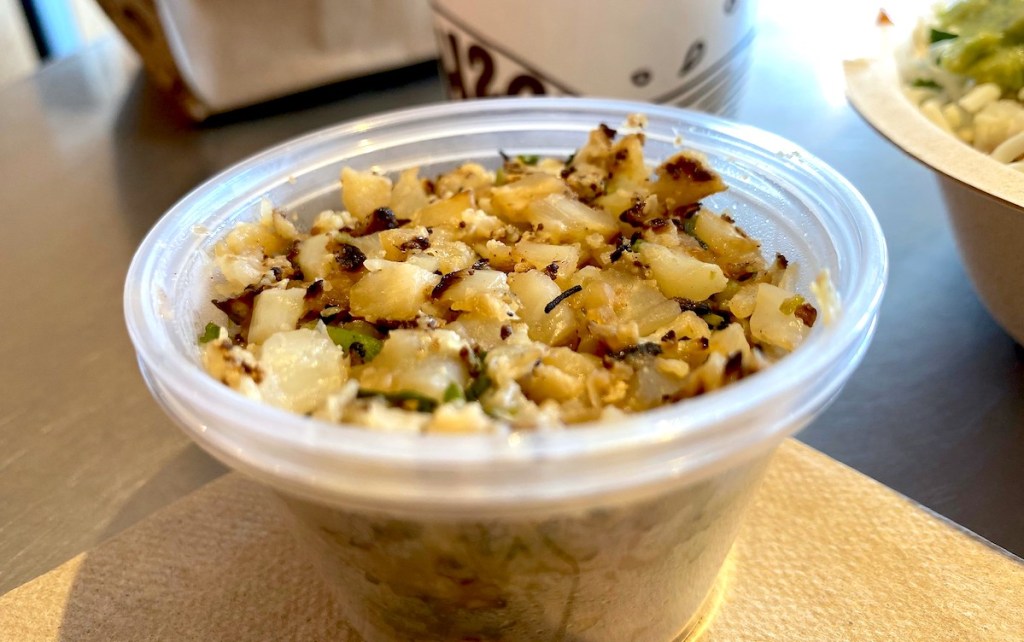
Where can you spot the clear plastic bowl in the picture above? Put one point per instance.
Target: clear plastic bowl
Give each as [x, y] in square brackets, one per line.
[613, 531]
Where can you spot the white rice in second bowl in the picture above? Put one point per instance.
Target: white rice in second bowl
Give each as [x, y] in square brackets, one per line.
[977, 114]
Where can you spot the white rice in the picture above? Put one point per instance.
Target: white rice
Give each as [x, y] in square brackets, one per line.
[974, 113]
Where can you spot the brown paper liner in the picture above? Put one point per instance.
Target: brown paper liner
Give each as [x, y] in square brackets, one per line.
[825, 554]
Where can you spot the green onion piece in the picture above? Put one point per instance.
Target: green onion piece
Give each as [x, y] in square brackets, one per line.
[926, 83]
[528, 159]
[453, 392]
[570, 159]
[790, 305]
[478, 387]
[500, 178]
[402, 398]
[210, 333]
[731, 288]
[937, 35]
[369, 346]
[690, 227]
[476, 359]
[714, 321]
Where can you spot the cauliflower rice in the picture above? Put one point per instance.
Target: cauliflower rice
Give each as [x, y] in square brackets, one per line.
[546, 293]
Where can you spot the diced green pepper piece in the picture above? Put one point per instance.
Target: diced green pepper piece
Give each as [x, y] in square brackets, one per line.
[403, 398]
[369, 347]
[731, 288]
[714, 321]
[926, 83]
[690, 227]
[478, 387]
[210, 333]
[528, 159]
[937, 35]
[790, 305]
[453, 392]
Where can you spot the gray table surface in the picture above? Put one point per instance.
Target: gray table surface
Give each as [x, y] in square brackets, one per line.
[90, 157]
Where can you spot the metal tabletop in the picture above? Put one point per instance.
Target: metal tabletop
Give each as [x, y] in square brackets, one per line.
[90, 157]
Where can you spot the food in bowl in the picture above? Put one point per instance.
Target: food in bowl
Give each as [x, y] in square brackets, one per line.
[964, 68]
[609, 531]
[984, 196]
[546, 293]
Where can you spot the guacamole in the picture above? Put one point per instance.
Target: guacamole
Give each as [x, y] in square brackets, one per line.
[983, 40]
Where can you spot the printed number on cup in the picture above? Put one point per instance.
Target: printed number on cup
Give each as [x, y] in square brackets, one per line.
[476, 72]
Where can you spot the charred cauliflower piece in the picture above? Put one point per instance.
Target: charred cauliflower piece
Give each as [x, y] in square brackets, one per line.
[686, 178]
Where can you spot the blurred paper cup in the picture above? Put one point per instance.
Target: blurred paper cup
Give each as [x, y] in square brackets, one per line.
[690, 53]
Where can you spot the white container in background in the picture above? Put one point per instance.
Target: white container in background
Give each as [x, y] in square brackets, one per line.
[219, 55]
[691, 53]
